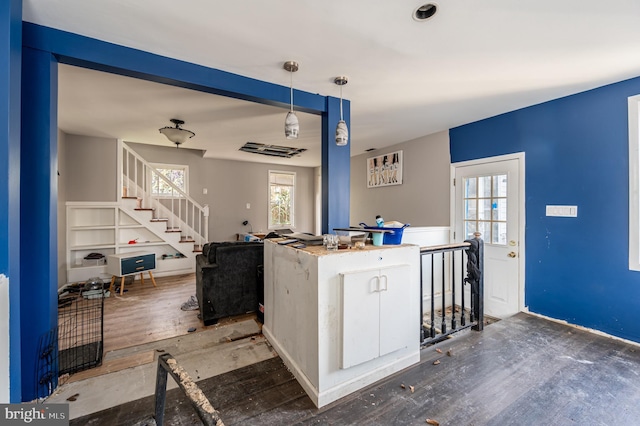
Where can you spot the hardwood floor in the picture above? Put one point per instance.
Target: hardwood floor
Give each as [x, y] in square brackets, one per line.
[146, 313]
[142, 315]
[523, 370]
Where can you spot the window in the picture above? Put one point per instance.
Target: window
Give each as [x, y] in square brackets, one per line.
[485, 207]
[281, 199]
[176, 174]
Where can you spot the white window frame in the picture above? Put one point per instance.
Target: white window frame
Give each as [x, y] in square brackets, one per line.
[183, 167]
[293, 199]
[634, 183]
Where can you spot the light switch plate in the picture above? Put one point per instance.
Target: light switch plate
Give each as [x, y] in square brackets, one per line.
[562, 211]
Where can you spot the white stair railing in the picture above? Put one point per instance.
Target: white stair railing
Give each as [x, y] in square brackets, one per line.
[180, 210]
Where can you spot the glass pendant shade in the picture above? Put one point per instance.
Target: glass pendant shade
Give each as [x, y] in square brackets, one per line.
[342, 133]
[291, 125]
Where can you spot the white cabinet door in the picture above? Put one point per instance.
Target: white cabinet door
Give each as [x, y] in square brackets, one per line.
[360, 317]
[376, 319]
[398, 323]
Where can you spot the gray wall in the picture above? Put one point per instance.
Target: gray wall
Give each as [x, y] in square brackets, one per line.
[90, 171]
[423, 197]
[231, 185]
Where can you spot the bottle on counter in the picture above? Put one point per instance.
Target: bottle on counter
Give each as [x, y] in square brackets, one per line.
[377, 236]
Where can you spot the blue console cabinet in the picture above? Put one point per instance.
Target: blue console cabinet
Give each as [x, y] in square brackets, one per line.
[123, 264]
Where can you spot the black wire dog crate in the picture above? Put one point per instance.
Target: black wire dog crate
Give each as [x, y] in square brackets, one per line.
[80, 331]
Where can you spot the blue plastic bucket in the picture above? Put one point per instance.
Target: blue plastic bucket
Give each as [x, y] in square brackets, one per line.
[390, 238]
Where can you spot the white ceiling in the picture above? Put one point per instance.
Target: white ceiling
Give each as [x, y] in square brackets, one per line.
[472, 60]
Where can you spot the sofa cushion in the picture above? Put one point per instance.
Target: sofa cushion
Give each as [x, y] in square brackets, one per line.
[209, 249]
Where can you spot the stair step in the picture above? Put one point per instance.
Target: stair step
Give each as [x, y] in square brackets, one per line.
[160, 219]
[187, 241]
[144, 210]
[129, 198]
[172, 230]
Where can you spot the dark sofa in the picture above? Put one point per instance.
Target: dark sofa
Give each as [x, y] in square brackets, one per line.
[227, 279]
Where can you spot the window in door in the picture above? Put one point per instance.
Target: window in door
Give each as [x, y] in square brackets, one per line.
[281, 199]
[178, 175]
[485, 208]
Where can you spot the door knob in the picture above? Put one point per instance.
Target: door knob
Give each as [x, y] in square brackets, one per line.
[512, 254]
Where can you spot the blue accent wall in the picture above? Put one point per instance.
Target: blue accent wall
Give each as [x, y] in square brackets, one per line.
[10, 69]
[576, 154]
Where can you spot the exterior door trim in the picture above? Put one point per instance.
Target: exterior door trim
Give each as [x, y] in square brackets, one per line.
[520, 156]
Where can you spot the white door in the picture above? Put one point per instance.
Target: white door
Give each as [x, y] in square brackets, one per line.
[487, 200]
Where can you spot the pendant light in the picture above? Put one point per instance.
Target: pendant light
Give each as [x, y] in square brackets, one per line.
[291, 125]
[177, 134]
[342, 132]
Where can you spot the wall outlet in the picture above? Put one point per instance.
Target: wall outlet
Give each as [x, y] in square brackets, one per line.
[248, 206]
[562, 211]
[204, 191]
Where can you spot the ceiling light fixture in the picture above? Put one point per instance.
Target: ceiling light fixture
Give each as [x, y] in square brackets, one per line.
[177, 134]
[342, 132]
[291, 125]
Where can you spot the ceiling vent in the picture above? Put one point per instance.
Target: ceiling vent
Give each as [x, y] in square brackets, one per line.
[271, 150]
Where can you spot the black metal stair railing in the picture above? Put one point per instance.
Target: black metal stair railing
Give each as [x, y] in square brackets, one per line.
[453, 287]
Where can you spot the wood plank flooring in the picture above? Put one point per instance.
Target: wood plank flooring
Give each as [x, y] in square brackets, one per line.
[146, 314]
[142, 315]
[522, 370]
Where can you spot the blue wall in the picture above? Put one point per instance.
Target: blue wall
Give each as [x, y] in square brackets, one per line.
[576, 154]
[10, 78]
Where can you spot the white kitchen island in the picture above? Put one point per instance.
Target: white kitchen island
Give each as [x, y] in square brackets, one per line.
[342, 320]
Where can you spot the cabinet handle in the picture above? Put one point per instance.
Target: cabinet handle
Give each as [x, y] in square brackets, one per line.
[376, 288]
[139, 260]
[386, 282]
[140, 268]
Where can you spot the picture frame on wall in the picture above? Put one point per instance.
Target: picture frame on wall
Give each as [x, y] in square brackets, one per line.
[384, 170]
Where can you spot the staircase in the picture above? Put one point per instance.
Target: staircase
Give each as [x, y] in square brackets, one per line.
[173, 226]
[173, 215]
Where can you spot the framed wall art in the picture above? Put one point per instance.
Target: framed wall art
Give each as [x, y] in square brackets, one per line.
[384, 170]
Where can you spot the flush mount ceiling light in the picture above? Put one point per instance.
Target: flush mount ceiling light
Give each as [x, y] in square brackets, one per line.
[425, 12]
[342, 132]
[177, 134]
[291, 125]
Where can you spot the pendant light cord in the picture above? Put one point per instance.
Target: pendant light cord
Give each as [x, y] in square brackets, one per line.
[340, 102]
[291, 88]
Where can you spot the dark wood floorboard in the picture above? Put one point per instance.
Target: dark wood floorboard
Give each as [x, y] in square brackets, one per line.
[520, 371]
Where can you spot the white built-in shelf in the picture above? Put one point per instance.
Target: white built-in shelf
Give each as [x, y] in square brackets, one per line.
[92, 228]
[87, 268]
[104, 228]
[93, 246]
[143, 243]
